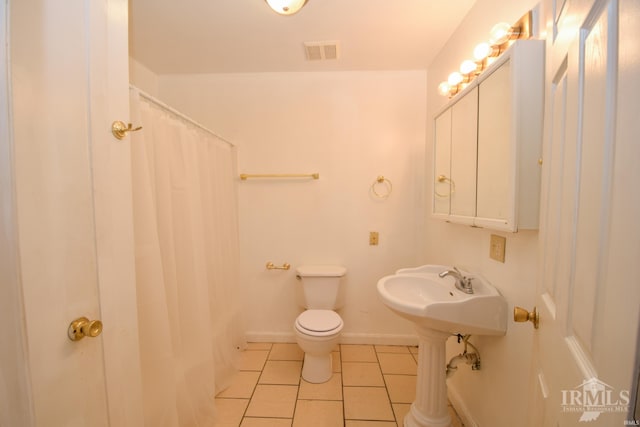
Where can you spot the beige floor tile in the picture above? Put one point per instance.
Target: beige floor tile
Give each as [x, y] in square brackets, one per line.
[318, 413]
[272, 373]
[266, 422]
[356, 423]
[336, 361]
[358, 353]
[259, 346]
[273, 401]
[400, 410]
[391, 363]
[401, 388]
[281, 372]
[253, 360]
[242, 385]
[286, 351]
[229, 411]
[367, 403]
[361, 374]
[392, 349]
[331, 390]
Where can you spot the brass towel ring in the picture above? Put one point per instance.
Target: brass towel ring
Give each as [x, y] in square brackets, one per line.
[388, 187]
[452, 188]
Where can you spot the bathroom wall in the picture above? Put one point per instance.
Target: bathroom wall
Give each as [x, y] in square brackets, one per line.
[348, 126]
[142, 77]
[488, 396]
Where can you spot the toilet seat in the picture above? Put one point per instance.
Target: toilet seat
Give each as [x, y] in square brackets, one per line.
[319, 323]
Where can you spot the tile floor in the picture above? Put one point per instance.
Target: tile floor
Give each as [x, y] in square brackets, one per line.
[372, 386]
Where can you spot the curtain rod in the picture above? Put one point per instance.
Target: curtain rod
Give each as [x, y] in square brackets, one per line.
[172, 110]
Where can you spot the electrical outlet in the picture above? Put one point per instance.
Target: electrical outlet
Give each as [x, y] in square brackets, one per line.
[497, 247]
[373, 238]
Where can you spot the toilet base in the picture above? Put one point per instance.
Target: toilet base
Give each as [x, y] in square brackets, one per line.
[317, 369]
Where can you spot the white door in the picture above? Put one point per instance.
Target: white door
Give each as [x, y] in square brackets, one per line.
[68, 75]
[588, 293]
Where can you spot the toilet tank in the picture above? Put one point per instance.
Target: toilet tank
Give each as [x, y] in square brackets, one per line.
[321, 286]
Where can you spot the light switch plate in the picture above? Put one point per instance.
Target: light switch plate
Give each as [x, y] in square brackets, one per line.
[497, 247]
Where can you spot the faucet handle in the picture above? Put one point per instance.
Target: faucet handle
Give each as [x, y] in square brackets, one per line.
[466, 283]
[465, 279]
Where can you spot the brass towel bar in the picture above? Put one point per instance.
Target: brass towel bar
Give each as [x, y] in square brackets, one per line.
[245, 176]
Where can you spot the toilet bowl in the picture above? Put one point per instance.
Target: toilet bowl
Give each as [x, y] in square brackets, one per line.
[318, 328]
[317, 333]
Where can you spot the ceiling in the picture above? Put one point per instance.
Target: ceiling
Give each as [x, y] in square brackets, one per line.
[234, 36]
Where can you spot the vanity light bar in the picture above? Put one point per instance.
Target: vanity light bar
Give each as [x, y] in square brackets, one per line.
[500, 38]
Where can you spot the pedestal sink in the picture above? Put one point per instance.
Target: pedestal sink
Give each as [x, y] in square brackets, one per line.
[438, 309]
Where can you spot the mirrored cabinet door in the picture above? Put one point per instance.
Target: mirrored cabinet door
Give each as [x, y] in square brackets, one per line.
[464, 136]
[494, 145]
[442, 165]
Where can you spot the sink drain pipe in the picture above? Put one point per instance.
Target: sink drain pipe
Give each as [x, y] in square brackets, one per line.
[470, 358]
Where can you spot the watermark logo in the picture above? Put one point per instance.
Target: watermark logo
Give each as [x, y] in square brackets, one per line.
[594, 397]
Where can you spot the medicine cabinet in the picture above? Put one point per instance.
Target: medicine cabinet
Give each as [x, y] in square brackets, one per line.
[487, 145]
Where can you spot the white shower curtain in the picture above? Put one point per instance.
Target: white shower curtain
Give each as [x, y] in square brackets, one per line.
[186, 243]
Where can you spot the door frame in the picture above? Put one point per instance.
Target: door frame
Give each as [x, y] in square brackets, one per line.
[16, 406]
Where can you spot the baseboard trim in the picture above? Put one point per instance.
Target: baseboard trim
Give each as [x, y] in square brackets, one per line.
[346, 338]
[460, 407]
[379, 339]
[270, 337]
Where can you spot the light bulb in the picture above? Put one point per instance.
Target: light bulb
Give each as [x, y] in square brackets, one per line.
[286, 7]
[468, 66]
[455, 78]
[443, 88]
[481, 51]
[500, 33]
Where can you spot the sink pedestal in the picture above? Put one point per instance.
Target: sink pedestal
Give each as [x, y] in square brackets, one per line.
[430, 408]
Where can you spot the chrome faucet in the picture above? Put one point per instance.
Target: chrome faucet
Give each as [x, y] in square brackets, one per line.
[462, 282]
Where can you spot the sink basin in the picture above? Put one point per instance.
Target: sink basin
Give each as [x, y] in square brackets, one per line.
[421, 296]
[439, 309]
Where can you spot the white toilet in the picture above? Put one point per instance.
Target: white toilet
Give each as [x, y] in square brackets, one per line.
[318, 328]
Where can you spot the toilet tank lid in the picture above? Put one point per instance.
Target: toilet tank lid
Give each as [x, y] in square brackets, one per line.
[321, 271]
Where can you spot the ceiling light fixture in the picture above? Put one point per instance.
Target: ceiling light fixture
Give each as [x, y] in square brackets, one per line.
[500, 38]
[286, 7]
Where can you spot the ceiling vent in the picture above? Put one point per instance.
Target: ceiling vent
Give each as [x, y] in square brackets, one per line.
[317, 51]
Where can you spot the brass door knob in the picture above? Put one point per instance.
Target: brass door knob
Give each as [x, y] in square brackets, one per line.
[83, 327]
[522, 315]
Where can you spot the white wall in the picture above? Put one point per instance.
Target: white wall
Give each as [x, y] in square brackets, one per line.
[142, 77]
[488, 396]
[348, 126]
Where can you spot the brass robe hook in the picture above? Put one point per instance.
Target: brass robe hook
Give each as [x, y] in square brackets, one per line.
[119, 129]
